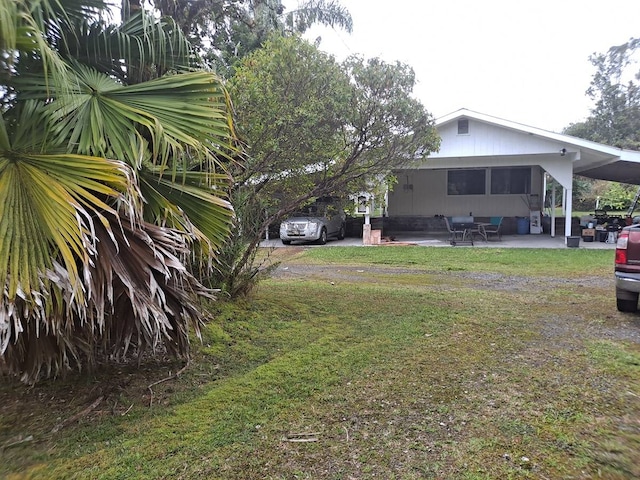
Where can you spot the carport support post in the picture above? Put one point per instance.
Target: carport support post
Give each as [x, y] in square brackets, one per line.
[562, 172]
[568, 210]
[553, 209]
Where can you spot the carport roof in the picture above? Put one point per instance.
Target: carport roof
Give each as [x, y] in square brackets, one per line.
[593, 160]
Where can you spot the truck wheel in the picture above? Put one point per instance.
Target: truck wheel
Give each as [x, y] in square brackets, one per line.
[323, 236]
[628, 306]
[341, 233]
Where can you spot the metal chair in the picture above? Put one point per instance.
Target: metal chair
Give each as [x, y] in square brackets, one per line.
[458, 232]
[493, 228]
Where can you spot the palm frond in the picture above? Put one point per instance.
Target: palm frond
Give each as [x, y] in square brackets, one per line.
[140, 299]
[24, 27]
[196, 204]
[92, 119]
[141, 48]
[46, 204]
[325, 12]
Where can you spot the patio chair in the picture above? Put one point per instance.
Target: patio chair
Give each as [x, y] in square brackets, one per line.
[493, 228]
[458, 232]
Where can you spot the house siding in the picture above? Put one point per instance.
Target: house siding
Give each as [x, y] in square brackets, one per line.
[424, 193]
[487, 140]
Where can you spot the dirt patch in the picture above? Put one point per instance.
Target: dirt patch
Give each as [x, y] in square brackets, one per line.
[490, 281]
[554, 328]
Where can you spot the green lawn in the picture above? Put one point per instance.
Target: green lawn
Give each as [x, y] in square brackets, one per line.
[382, 362]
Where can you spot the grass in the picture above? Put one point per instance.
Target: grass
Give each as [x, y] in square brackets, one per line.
[537, 262]
[394, 363]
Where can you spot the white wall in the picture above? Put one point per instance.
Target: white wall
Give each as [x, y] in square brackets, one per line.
[485, 140]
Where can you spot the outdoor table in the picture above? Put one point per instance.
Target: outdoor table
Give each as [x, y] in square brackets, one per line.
[478, 227]
[467, 230]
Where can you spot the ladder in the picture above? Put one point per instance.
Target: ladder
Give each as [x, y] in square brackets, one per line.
[634, 203]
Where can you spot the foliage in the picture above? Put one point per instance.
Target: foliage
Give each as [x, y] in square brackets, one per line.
[291, 123]
[315, 127]
[238, 270]
[224, 31]
[615, 116]
[227, 30]
[617, 196]
[112, 163]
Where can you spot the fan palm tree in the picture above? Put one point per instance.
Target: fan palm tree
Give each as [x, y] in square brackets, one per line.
[112, 156]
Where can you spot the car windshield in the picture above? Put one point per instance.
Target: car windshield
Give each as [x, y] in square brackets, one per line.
[320, 208]
[313, 210]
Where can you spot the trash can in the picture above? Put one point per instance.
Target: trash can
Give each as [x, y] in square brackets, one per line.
[522, 225]
[573, 242]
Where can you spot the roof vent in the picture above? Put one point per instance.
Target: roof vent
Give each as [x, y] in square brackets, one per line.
[463, 126]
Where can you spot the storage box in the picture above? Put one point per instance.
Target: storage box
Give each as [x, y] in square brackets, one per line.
[573, 242]
[588, 234]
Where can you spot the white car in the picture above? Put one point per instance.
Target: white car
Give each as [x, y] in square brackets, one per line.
[317, 223]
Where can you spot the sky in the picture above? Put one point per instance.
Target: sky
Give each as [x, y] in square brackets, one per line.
[526, 61]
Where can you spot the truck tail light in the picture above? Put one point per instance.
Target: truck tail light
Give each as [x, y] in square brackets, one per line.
[621, 248]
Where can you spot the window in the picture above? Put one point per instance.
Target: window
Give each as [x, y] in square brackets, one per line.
[463, 126]
[506, 181]
[466, 182]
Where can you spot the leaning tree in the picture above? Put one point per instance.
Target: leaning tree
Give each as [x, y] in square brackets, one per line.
[312, 127]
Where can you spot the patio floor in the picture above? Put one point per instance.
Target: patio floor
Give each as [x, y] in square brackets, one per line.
[442, 240]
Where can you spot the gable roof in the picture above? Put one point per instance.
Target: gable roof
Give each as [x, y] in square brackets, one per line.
[592, 159]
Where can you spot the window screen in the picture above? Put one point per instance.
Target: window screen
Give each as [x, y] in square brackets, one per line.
[510, 181]
[466, 182]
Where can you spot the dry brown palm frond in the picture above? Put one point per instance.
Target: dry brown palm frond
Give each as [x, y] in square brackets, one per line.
[139, 298]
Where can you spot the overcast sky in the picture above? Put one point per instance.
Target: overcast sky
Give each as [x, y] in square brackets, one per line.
[521, 60]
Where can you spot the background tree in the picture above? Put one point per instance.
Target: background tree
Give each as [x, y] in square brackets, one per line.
[614, 119]
[226, 30]
[315, 127]
[109, 158]
[617, 196]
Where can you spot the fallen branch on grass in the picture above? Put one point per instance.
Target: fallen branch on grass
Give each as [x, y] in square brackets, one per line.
[170, 377]
[302, 437]
[20, 440]
[78, 415]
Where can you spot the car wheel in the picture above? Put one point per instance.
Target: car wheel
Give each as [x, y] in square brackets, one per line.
[628, 306]
[341, 233]
[286, 242]
[323, 236]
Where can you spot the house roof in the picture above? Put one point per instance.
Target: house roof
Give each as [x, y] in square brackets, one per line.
[593, 160]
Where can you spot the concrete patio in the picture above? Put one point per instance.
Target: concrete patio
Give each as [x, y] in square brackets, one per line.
[442, 240]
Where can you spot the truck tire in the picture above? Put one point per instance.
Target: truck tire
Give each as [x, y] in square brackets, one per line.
[626, 304]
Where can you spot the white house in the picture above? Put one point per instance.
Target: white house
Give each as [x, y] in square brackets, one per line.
[488, 166]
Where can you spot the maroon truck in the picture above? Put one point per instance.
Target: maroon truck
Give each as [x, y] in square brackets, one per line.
[627, 268]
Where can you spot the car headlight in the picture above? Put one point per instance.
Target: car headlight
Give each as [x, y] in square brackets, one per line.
[312, 228]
